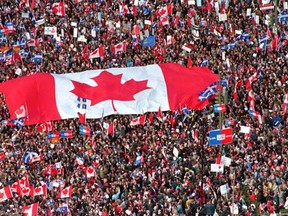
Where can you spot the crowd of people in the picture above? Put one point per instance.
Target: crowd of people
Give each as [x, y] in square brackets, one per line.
[164, 166]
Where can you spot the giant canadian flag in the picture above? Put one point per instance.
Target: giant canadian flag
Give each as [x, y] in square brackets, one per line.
[133, 90]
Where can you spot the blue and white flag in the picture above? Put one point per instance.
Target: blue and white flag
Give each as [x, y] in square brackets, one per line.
[28, 156]
[37, 58]
[80, 161]
[283, 17]
[208, 92]
[19, 122]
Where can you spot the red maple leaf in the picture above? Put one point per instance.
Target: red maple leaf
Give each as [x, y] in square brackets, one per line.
[1, 195]
[109, 87]
[38, 190]
[65, 191]
[90, 170]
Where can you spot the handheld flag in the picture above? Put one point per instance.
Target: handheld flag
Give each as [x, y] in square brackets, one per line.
[219, 137]
[219, 108]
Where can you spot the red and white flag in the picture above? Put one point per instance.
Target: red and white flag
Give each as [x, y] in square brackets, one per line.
[59, 9]
[164, 21]
[99, 52]
[120, 47]
[251, 79]
[139, 120]
[5, 193]
[136, 30]
[65, 193]
[23, 182]
[36, 158]
[170, 39]
[41, 190]
[27, 191]
[50, 170]
[251, 95]
[89, 171]
[133, 90]
[45, 127]
[2, 156]
[238, 84]
[30, 210]
[164, 11]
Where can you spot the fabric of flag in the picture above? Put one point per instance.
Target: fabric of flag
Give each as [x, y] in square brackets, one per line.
[120, 47]
[50, 170]
[136, 90]
[5, 193]
[27, 191]
[110, 129]
[254, 114]
[149, 41]
[217, 168]
[238, 84]
[164, 11]
[23, 182]
[84, 130]
[30, 210]
[230, 122]
[36, 158]
[8, 28]
[82, 117]
[99, 52]
[90, 172]
[138, 160]
[283, 17]
[66, 134]
[41, 190]
[220, 137]
[219, 108]
[208, 92]
[204, 63]
[2, 156]
[65, 193]
[264, 7]
[28, 156]
[138, 121]
[37, 58]
[80, 161]
[81, 103]
[52, 135]
[59, 9]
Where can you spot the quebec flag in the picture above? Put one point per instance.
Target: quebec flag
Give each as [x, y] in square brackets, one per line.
[208, 92]
[28, 156]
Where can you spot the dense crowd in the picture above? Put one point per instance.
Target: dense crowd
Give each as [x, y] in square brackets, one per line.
[163, 166]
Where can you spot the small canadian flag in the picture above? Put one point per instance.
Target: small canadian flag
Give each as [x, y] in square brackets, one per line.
[89, 171]
[65, 193]
[139, 120]
[30, 210]
[5, 193]
[170, 39]
[27, 191]
[41, 190]
[136, 30]
[120, 47]
[99, 52]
